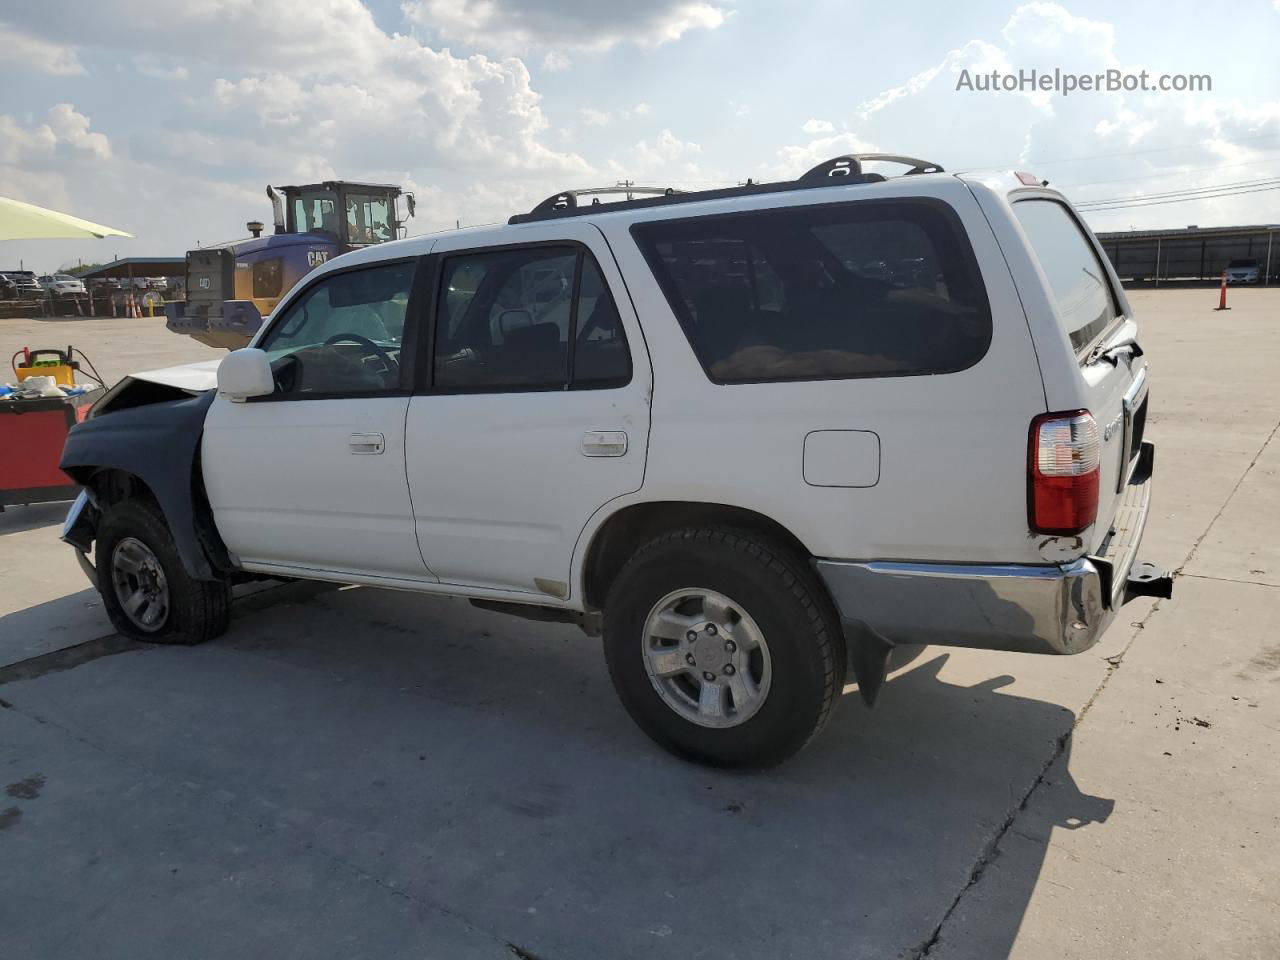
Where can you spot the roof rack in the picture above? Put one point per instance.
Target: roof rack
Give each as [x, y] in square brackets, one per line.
[851, 164]
[838, 171]
[568, 200]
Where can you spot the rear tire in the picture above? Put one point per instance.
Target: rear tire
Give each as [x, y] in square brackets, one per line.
[723, 646]
[147, 592]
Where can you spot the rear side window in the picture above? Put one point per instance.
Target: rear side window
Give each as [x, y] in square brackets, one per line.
[867, 289]
[532, 318]
[1077, 279]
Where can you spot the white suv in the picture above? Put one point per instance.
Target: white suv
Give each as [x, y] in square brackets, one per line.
[753, 436]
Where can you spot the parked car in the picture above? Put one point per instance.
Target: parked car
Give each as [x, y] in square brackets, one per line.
[744, 496]
[62, 285]
[8, 288]
[28, 287]
[1244, 271]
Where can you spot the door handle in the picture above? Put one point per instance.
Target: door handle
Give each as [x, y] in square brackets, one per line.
[604, 443]
[368, 443]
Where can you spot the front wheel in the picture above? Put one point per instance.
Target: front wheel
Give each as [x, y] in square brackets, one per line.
[147, 592]
[723, 646]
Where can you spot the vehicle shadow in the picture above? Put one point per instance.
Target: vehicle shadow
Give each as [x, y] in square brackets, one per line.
[482, 764]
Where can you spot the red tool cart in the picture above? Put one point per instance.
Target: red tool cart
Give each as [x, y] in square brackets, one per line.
[32, 433]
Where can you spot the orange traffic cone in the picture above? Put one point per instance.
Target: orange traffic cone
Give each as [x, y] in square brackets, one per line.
[1222, 293]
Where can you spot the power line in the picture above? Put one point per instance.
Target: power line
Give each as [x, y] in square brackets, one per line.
[1158, 203]
[1184, 192]
[1172, 173]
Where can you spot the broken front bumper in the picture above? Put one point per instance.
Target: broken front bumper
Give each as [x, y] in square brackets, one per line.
[79, 530]
[1053, 608]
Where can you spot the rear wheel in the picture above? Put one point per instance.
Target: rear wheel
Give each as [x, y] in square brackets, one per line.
[723, 646]
[146, 590]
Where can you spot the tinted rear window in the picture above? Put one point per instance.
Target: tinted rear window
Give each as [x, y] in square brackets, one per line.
[865, 289]
[1077, 279]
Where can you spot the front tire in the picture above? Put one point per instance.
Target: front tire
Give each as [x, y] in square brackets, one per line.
[723, 646]
[147, 592]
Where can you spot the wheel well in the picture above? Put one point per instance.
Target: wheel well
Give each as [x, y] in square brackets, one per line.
[113, 485]
[626, 530]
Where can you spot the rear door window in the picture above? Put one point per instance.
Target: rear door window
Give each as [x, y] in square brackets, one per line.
[527, 318]
[1077, 279]
[867, 289]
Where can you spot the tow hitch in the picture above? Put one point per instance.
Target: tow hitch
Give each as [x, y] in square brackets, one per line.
[1148, 580]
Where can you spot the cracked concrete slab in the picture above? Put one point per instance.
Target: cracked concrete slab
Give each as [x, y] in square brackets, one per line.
[110, 859]
[1184, 738]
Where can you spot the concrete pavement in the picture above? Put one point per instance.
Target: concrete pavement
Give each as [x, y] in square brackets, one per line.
[356, 773]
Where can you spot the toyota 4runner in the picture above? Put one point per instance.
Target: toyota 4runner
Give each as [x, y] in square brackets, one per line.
[754, 438]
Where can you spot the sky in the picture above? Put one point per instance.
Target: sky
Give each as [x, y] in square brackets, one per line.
[168, 119]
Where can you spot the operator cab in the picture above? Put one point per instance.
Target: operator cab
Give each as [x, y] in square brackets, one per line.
[355, 214]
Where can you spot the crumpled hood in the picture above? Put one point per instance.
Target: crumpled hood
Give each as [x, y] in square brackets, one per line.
[196, 377]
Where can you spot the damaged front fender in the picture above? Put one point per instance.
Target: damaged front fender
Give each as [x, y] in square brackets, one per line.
[151, 433]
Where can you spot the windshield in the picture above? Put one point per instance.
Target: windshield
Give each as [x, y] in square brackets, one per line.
[368, 218]
[315, 210]
[1242, 263]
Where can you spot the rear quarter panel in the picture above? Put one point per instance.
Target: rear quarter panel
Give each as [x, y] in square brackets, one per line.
[951, 479]
[1098, 387]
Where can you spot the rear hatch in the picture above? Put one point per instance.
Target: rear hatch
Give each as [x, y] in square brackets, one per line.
[1106, 373]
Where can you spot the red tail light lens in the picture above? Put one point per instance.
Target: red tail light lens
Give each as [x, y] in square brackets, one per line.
[1063, 463]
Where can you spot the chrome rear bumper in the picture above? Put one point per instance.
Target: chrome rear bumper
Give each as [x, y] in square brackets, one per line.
[1052, 608]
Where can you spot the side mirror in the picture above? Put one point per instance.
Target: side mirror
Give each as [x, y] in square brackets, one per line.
[245, 373]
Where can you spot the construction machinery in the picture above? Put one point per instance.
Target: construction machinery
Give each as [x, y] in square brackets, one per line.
[230, 287]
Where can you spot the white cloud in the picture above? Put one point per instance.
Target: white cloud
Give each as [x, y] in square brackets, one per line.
[796, 159]
[27, 53]
[64, 132]
[303, 36]
[665, 157]
[19, 144]
[642, 108]
[1048, 27]
[149, 67]
[814, 127]
[38, 162]
[422, 107]
[512, 26]
[72, 128]
[555, 61]
[1175, 140]
[595, 118]
[305, 90]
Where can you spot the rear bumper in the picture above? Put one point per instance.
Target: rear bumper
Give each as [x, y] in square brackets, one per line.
[1052, 608]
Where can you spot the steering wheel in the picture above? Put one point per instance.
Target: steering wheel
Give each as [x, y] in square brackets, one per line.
[391, 365]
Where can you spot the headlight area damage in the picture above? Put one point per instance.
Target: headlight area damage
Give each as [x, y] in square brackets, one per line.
[142, 439]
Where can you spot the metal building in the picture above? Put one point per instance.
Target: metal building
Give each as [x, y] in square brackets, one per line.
[1192, 253]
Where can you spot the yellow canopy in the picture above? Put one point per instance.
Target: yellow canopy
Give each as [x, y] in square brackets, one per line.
[26, 221]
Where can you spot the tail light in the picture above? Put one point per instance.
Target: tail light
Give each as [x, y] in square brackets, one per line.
[1062, 468]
